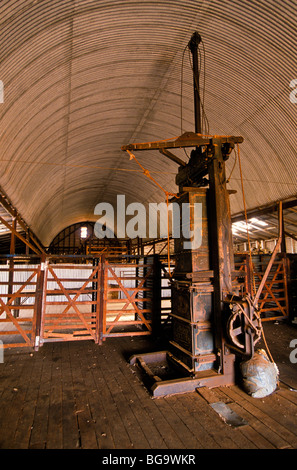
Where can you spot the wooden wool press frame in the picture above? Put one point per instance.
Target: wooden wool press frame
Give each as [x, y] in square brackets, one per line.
[204, 279]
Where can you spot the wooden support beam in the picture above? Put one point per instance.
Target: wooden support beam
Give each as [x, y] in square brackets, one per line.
[188, 139]
[17, 234]
[100, 301]
[172, 157]
[282, 228]
[11, 210]
[156, 306]
[290, 235]
[221, 240]
[268, 209]
[11, 263]
[286, 220]
[39, 303]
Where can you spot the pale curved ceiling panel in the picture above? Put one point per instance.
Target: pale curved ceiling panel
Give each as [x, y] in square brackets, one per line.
[84, 77]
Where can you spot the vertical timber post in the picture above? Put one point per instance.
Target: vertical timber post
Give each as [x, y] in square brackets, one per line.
[28, 240]
[94, 287]
[39, 304]
[156, 304]
[11, 266]
[283, 256]
[282, 222]
[100, 306]
[222, 250]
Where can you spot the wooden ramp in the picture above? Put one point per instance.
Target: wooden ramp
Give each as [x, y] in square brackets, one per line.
[78, 395]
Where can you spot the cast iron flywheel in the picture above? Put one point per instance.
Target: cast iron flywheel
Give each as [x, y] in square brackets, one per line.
[243, 320]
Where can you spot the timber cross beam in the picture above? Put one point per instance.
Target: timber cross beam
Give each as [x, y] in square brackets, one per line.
[26, 236]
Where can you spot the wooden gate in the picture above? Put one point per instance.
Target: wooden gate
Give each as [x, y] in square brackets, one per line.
[19, 295]
[71, 304]
[128, 302]
[61, 301]
[273, 302]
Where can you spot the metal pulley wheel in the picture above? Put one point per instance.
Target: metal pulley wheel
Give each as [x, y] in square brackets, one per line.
[244, 321]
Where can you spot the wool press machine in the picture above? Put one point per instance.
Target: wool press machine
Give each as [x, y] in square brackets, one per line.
[213, 326]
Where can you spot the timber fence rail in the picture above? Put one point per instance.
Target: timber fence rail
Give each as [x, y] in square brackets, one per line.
[74, 298]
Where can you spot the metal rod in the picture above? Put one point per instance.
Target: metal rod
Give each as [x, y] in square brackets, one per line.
[193, 46]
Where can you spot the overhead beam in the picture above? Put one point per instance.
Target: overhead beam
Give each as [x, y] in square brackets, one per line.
[188, 139]
[239, 217]
[17, 234]
[172, 157]
[13, 212]
[291, 235]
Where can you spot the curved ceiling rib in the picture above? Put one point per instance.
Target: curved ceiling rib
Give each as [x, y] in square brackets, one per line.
[83, 78]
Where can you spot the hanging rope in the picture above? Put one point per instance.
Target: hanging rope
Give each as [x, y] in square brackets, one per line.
[246, 221]
[167, 194]
[233, 168]
[147, 173]
[250, 253]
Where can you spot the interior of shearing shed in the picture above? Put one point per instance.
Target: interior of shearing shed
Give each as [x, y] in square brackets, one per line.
[148, 227]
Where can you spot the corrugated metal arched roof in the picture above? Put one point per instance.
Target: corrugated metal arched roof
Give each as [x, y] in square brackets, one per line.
[84, 77]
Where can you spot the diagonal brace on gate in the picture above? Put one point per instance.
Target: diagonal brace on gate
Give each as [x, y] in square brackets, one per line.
[72, 302]
[269, 287]
[130, 299]
[6, 307]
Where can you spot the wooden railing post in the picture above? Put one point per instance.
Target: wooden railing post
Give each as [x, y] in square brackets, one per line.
[286, 274]
[100, 307]
[156, 294]
[11, 267]
[39, 305]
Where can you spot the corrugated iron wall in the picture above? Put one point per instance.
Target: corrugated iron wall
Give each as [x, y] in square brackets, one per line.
[84, 77]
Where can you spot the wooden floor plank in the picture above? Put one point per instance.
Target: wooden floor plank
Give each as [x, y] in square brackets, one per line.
[249, 431]
[166, 405]
[25, 423]
[213, 424]
[256, 439]
[195, 420]
[273, 416]
[260, 421]
[281, 410]
[7, 370]
[82, 395]
[54, 438]
[114, 422]
[153, 419]
[240, 435]
[169, 437]
[96, 407]
[288, 394]
[88, 438]
[70, 431]
[112, 374]
[144, 420]
[38, 437]
[13, 398]
[190, 422]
